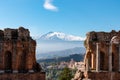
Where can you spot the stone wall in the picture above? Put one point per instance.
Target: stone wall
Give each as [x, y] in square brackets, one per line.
[103, 41]
[17, 55]
[102, 58]
[17, 50]
[103, 75]
[23, 76]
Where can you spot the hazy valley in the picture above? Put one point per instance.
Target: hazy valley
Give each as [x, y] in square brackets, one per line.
[57, 44]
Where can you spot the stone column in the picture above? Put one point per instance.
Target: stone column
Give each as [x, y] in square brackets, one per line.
[119, 57]
[87, 65]
[110, 57]
[97, 58]
[92, 60]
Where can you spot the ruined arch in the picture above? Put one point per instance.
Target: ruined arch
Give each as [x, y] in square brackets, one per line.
[102, 60]
[22, 66]
[8, 61]
[113, 59]
[87, 60]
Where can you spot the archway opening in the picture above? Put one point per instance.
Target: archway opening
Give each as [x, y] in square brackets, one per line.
[8, 62]
[102, 60]
[88, 61]
[113, 61]
[22, 67]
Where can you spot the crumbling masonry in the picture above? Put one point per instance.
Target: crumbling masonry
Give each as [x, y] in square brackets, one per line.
[17, 56]
[102, 59]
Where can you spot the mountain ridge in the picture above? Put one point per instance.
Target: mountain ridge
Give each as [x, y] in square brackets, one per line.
[62, 53]
[59, 36]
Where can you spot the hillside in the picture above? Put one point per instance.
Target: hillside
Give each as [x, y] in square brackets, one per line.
[75, 57]
[62, 53]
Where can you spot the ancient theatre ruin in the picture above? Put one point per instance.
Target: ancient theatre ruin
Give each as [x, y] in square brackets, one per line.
[102, 59]
[17, 56]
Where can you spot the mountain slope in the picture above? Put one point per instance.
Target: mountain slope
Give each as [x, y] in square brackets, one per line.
[60, 36]
[75, 57]
[62, 53]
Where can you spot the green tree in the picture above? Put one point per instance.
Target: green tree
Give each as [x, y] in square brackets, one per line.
[66, 74]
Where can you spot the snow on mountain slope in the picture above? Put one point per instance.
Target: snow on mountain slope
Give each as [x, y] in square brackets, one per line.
[60, 36]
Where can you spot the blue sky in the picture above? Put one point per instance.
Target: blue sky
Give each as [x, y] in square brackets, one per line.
[75, 17]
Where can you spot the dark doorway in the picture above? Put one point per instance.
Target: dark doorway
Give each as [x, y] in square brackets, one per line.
[23, 57]
[102, 60]
[113, 64]
[8, 62]
[14, 34]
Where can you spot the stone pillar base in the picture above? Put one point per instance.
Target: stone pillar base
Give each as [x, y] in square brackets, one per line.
[31, 71]
[23, 76]
[15, 71]
[2, 71]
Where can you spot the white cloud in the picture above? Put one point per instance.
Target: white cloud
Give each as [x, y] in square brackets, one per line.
[49, 6]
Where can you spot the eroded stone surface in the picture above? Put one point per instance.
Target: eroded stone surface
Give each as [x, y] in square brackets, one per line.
[102, 58]
[17, 52]
[103, 40]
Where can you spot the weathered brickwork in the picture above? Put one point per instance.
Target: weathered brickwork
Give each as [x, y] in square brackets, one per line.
[17, 55]
[102, 59]
[23, 76]
[103, 75]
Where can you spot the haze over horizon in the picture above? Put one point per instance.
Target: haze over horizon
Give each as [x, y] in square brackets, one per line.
[75, 17]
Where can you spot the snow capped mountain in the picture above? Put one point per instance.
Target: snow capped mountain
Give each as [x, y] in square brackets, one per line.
[60, 36]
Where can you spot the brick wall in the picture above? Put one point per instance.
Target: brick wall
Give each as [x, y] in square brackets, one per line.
[103, 75]
[23, 76]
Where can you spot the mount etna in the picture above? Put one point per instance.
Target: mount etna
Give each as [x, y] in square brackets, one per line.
[58, 44]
